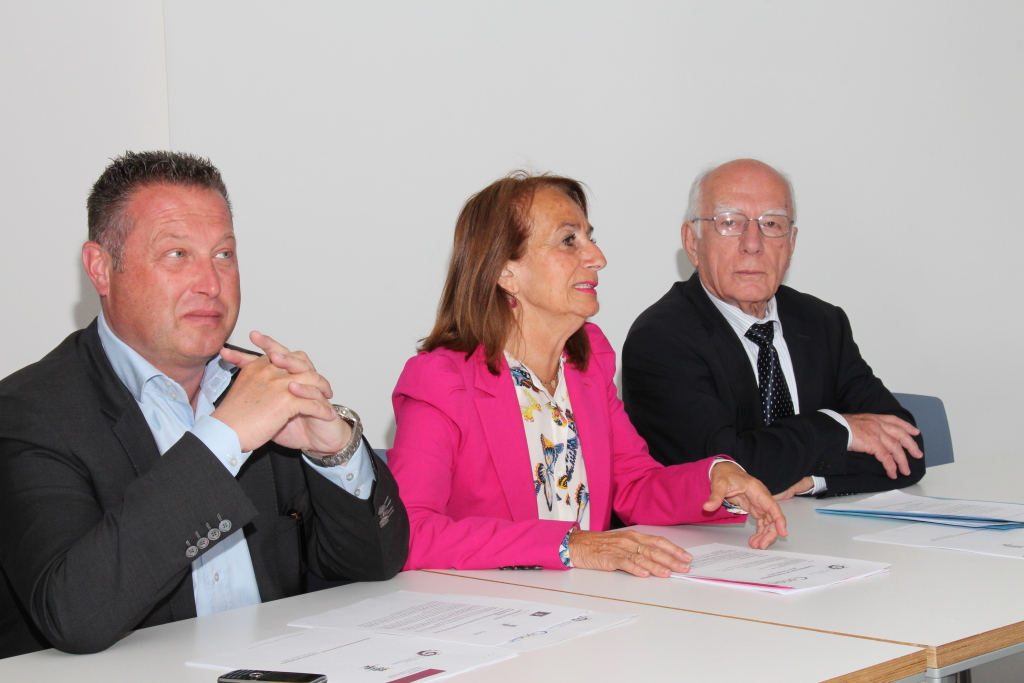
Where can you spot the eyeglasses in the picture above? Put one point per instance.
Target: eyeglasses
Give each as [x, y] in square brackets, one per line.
[733, 224]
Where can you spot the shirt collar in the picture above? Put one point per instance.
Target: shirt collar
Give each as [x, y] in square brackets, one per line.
[136, 372]
[740, 321]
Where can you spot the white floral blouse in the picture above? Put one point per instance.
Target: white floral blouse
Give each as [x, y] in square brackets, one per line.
[559, 475]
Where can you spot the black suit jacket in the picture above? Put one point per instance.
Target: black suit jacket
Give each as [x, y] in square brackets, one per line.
[97, 522]
[690, 390]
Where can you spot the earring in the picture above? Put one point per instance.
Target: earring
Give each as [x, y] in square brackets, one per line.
[513, 303]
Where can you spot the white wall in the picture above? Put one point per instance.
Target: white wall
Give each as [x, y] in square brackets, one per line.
[79, 84]
[351, 134]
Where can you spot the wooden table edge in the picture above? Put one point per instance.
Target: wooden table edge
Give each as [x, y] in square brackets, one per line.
[975, 646]
[887, 672]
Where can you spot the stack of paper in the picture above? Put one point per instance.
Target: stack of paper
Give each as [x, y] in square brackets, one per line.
[404, 637]
[358, 656]
[774, 571]
[964, 513]
[470, 619]
[983, 541]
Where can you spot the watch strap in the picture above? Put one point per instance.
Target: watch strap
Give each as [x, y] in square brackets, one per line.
[345, 454]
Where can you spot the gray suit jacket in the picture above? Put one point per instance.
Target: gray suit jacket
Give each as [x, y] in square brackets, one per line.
[97, 523]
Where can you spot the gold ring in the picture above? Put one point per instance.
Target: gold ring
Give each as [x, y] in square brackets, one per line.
[641, 545]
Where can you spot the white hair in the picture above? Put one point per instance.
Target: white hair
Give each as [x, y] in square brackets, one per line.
[697, 196]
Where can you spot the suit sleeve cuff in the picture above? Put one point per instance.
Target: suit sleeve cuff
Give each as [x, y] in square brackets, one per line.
[819, 487]
[356, 476]
[841, 420]
[222, 442]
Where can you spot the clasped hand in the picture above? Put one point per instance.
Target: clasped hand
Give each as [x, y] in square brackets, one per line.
[280, 397]
[644, 555]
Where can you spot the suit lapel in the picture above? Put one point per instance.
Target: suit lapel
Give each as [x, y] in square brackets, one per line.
[799, 334]
[499, 412]
[135, 436]
[732, 357]
[131, 429]
[129, 424]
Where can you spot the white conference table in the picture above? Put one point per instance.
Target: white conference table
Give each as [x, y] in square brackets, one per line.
[964, 609]
[659, 644]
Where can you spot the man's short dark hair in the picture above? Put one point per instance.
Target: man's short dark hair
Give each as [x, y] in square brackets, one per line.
[109, 222]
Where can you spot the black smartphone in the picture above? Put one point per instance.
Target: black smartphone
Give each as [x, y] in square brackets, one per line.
[270, 677]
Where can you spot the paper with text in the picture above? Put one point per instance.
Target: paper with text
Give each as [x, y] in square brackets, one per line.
[469, 619]
[1004, 543]
[949, 512]
[775, 571]
[358, 656]
[582, 625]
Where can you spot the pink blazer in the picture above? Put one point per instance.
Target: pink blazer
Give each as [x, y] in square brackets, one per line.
[463, 465]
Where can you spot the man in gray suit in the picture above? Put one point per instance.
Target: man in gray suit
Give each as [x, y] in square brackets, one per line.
[148, 471]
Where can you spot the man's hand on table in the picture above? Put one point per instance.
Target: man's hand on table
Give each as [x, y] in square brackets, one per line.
[885, 437]
[802, 486]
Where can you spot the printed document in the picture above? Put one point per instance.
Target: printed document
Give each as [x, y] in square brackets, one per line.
[358, 656]
[470, 619]
[774, 571]
[1005, 543]
[949, 512]
[586, 623]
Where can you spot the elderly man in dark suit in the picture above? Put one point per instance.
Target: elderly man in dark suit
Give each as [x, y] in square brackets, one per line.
[733, 362]
[148, 472]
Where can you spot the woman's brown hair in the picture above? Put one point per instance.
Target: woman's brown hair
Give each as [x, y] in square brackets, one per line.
[493, 229]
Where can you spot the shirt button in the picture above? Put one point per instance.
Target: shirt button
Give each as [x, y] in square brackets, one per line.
[357, 492]
[216, 576]
[233, 461]
[349, 476]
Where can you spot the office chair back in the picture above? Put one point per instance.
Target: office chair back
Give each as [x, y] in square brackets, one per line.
[930, 415]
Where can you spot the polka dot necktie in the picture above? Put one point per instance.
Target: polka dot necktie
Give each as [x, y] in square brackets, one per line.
[775, 399]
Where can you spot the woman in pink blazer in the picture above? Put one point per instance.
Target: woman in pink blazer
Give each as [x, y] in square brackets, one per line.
[512, 447]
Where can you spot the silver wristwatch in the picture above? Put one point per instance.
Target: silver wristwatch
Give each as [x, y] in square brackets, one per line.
[345, 454]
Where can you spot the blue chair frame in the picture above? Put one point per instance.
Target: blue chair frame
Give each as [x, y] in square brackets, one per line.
[930, 415]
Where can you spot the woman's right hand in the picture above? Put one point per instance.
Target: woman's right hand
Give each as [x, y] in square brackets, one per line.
[630, 551]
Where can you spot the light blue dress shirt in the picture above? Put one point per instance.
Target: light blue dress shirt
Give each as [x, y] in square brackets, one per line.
[223, 577]
[740, 322]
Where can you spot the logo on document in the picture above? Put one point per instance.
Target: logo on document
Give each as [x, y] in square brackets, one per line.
[428, 653]
[837, 566]
[540, 614]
